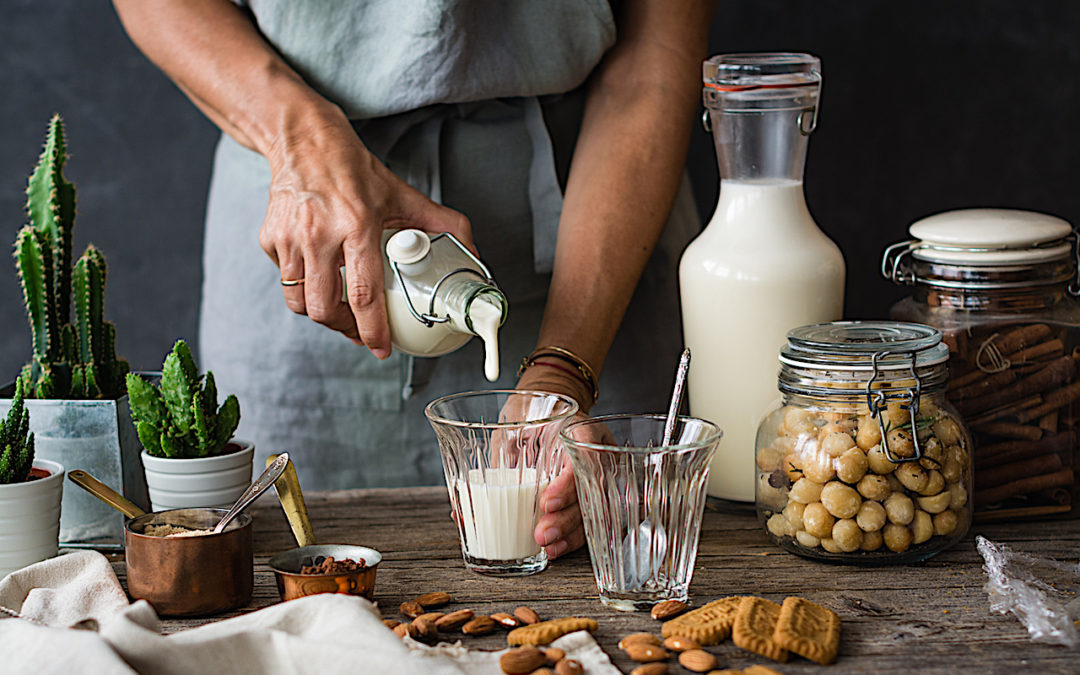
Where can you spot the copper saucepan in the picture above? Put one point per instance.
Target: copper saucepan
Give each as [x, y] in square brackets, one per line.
[182, 576]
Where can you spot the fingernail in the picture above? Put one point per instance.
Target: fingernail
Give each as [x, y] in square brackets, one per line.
[552, 505]
[381, 353]
[552, 535]
[557, 549]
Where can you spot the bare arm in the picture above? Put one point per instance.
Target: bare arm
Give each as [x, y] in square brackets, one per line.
[330, 198]
[623, 179]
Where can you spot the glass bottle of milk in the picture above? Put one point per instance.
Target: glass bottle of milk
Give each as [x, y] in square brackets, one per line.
[439, 295]
[761, 267]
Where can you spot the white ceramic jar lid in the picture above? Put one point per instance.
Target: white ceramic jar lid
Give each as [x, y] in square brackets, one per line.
[408, 246]
[990, 237]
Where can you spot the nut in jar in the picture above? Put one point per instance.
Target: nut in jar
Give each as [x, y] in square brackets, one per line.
[864, 461]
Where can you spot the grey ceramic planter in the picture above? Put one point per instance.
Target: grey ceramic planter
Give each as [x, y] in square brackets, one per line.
[98, 437]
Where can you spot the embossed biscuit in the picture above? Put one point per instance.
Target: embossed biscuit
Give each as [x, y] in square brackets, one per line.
[809, 630]
[547, 632]
[754, 625]
[706, 625]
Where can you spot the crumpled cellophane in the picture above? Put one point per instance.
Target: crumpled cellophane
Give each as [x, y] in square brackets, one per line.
[1043, 593]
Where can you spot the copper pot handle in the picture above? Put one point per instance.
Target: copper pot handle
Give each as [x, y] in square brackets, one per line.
[104, 493]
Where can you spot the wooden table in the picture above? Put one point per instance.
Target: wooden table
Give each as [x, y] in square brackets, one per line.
[928, 617]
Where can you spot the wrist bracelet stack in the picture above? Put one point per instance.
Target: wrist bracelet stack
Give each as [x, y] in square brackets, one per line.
[580, 369]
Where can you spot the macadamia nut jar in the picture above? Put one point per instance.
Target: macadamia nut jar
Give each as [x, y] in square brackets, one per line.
[863, 460]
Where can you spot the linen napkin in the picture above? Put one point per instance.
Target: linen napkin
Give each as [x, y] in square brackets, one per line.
[328, 633]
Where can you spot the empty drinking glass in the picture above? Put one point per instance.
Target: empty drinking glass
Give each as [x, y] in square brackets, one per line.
[642, 502]
[500, 450]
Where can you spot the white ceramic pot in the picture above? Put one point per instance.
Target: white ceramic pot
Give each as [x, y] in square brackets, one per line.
[214, 482]
[30, 518]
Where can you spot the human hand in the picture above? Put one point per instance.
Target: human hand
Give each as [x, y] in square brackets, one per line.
[330, 200]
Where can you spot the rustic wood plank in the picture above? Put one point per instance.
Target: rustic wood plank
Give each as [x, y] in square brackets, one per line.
[928, 617]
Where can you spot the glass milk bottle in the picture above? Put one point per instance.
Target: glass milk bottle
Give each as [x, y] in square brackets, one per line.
[761, 267]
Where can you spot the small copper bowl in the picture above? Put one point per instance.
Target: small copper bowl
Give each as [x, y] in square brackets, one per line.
[190, 576]
[291, 584]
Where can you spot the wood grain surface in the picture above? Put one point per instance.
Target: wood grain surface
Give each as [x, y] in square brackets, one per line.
[928, 617]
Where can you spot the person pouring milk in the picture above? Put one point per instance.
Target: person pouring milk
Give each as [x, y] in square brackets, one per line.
[503, 124]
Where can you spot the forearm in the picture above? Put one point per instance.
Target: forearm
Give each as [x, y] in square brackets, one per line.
[625, 173]
[215, 55]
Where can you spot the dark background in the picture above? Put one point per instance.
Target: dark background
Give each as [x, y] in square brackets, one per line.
[927, 106]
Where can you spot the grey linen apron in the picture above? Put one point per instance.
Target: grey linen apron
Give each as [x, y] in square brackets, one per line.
[465, 101]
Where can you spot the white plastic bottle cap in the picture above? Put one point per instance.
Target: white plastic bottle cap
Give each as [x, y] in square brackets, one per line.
[408, 246]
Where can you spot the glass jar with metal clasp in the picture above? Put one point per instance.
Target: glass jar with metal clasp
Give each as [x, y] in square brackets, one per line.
[862, 460]
[1002, 287]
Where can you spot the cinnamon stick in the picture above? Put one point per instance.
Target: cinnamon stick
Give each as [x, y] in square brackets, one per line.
[1008, 345]
[988, 456]
[1051, 401]
[1024, 486]
[1037, 351]
[1049, 422]
[1025, 468]
[1011, 430]
[1059, 496]
[1055, 374]
[985, 385]
[1010, 410]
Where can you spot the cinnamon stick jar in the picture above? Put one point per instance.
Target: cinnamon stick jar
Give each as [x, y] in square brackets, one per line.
[1001, 285]
[863, 460]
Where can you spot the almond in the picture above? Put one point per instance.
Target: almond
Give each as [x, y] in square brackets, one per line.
[425, 630]
[431, 616]
[390, 623]
[401, 630]
[678, 643]
[526, 615]
[521, 660]
[643, 652]
[411, 609]
[655, 668]
[505, 620]
[554, 655]
[697, 660]
[569, 667]
[543, 671]
[481, 625]
[454, 620]
[647, 638]
[662, 611]
[433, 600]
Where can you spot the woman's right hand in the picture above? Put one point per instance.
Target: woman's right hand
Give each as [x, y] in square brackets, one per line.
[330, 200]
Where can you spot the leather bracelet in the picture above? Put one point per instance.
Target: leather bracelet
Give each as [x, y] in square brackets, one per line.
[580, 366]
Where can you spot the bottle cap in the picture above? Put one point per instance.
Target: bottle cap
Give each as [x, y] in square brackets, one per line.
[408, 246]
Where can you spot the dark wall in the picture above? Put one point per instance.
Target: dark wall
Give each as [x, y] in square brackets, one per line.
[927, 106]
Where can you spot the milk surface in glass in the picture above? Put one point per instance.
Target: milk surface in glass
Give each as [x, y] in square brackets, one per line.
[760, 268]
[499, 512]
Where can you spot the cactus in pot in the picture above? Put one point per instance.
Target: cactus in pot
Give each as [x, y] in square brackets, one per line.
[70, 360]
[16, 441]
[180, 418]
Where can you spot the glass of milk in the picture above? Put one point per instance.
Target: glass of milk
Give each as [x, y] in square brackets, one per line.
[641, 502]
[500, 450]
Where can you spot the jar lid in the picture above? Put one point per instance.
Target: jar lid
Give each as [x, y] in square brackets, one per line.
[990, 237]
[853, 345]
[756, 81]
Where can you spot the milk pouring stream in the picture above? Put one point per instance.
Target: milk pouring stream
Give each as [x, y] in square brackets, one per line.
[761, 267]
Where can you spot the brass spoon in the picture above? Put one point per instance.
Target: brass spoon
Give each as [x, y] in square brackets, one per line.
[261, 484]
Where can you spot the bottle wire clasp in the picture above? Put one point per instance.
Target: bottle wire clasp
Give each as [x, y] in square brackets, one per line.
[429, 318]
[877, 402]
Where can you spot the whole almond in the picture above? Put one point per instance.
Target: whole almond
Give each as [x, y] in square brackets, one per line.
[505, 620]
[401, 630]
[543, 671]
[655, 668]
[647, 638]
[425, 630]
[481, 625]
[521, 660]
[390, 623]
[554, 655]
[678, 643]
[569, 667]
[643, 652]
[526, 615]
[454, 620]
[662, 611]
[431, 616]
[411, 609]
[433, 600]
[697, 660]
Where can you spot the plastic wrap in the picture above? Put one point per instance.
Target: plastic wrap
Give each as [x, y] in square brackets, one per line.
[1043, 593]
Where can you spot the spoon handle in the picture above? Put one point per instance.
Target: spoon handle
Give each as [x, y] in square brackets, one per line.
[264, 481]
[104, 493]
[292, 502]
[676, 396]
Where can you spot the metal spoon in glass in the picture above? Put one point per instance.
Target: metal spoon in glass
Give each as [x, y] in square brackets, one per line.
[264, 481]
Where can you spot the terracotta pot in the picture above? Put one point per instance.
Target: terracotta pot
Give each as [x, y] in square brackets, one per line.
[210, 482]
[30, 517]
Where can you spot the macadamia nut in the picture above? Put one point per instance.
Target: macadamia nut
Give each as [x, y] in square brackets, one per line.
[817, 520]
[841, 500]
[871, 517]
[899, 509]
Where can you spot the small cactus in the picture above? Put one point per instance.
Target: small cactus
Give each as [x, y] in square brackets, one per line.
[70, 360]
[16, 441]
[180, 418]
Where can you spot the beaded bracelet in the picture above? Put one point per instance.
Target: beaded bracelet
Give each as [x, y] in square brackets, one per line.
[581, 368]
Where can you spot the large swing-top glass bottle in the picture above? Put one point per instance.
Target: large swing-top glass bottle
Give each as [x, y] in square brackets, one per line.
[761, 267]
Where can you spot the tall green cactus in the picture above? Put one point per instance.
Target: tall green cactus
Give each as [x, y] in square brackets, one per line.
[16, 441]
[180, 418]
[70, 360]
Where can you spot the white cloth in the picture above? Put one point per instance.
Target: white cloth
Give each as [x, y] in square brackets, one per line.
[322, 634]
